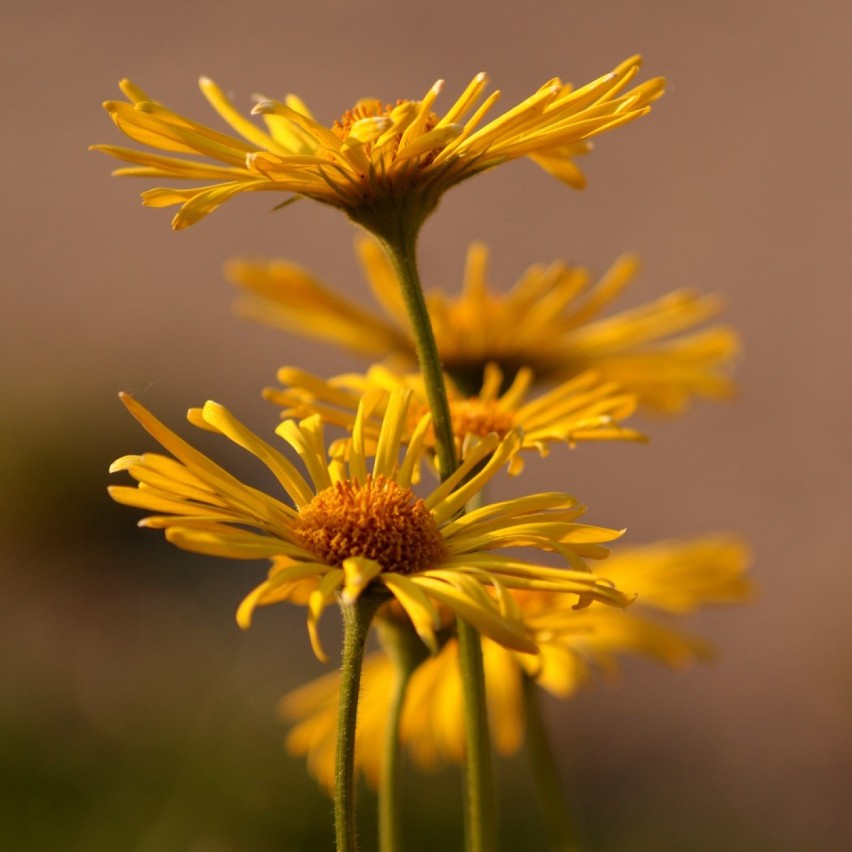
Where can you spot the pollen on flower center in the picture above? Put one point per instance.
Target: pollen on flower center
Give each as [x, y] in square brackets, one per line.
[380, 520]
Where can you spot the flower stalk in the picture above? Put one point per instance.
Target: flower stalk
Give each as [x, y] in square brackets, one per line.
[398, 234]
[480, 812]
[406, 651]
[560, 817]
[357, 617]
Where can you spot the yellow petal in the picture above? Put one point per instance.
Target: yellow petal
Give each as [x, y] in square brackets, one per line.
[485, 620]
[393, 424]
[317, 602]
[366, 130]
[358, 573]
[292, 481]
[242, 125]
[416, 603]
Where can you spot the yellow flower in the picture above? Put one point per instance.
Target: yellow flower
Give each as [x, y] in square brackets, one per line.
[548, 322]
[582, 409]
[316, 736]
[375, 156]
[673, 576]
[354, 527]
[680, 577]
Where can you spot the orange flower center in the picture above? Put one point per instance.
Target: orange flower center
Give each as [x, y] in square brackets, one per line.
[375, 109]
[364, 109]
[472, 416]
[380, 520]
[480, 417]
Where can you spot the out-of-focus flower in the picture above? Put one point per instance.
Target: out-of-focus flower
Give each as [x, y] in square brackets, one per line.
[549, 322]
[353, 527]
[582, 409]
[376, 157]
[671, 576]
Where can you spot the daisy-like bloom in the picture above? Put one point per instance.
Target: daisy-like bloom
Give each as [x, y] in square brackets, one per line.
[351, 528]
[582, 409]
[376, 156]
[653, 350]
[673, 577]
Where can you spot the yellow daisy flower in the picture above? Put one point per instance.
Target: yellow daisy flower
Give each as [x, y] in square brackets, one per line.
[652, 350]
[674, 576]
[316, 736]
[374, 156]
[582, 409]
[352, 527]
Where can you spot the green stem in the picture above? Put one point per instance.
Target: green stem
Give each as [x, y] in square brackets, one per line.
[397, 229]
[480, 814]
[390, 812]
[356, 624]
[562, 824]
[400, 243]
[406, 651]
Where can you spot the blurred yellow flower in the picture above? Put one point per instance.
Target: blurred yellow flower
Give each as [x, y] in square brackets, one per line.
[582, 409]
[399, 156]
[672, 576]
[353, 526]
[548, 323]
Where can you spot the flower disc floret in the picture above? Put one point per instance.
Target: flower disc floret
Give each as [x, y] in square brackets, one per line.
[379, 520]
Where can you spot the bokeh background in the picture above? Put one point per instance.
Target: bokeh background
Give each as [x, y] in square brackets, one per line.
[135, 715]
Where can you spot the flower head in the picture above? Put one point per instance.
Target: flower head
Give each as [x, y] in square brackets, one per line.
[582, 409]
[376, 157]
[653, 350]
[352, 526]
[673, 576]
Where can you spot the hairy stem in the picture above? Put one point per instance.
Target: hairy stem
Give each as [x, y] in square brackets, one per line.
[399, 238]
[356, 624]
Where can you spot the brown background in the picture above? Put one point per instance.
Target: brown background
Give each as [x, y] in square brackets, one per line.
[136, 715]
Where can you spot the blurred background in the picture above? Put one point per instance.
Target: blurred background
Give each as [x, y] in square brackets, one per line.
[135, 715]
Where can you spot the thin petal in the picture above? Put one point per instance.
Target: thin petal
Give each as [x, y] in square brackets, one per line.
[291, 480]
[416, 603]
[317, 602]
[358, 573]
[484, 620]
[390, 437]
